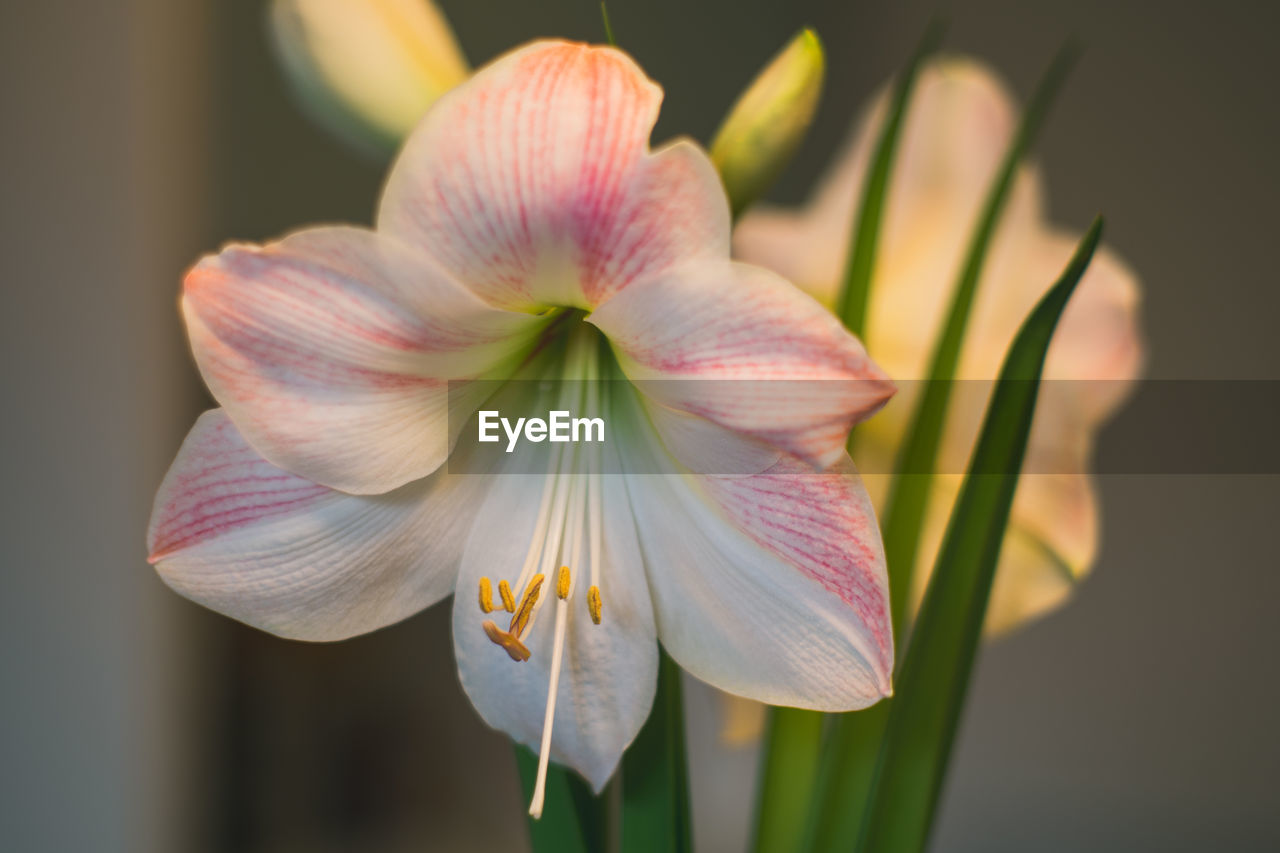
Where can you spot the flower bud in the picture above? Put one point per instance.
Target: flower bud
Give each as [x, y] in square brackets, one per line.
[366, 70]
[771, 116]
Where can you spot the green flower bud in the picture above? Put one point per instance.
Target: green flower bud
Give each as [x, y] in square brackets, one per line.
[765, 126]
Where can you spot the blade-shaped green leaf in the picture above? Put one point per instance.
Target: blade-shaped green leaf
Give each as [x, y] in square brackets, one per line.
[851, 305]
[934, 678]
[792, 749]
[573, 819]
[909, 494]
[655, 775]
[844, 778]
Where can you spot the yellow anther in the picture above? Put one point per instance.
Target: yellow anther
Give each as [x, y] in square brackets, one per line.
[486, 596]
[508, 600]
[525, 610]
[512, 646]
[562, 583]
[594, 604]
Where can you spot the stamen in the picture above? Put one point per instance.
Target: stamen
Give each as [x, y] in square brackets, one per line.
[511, 645]
[594, 604]
[541, 526]
[562, 583]
[486, 596]
[525, 610]
[508, 600]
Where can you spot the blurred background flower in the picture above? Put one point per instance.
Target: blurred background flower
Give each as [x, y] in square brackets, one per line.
[366, 69]
[960, 122]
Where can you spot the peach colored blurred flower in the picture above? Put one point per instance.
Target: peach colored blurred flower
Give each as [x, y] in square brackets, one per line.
[958, 126]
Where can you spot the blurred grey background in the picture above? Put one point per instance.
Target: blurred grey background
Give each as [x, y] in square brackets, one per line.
[140, 134]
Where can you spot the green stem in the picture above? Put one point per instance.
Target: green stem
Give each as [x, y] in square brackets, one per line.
[792, 748]
[573, 819]
[844, 778]
[655, 775]
[608, 27]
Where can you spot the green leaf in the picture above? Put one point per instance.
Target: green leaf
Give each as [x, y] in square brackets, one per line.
[844, 777]
[655, 775]
[573, 819]
[909, 494]
[851, 305]
[792, 748]
[935, 675]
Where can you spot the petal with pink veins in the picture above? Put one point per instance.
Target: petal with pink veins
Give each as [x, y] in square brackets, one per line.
[770, 586]
[744, 349]
[236, 534]
[533, 182]
[332, 351]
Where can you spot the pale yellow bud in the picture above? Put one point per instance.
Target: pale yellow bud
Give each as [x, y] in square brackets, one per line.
[367, 69]
[769, 120]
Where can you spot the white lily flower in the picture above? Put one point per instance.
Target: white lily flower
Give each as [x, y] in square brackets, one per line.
[528, 231]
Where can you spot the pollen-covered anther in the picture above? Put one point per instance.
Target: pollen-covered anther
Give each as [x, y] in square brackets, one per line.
[486, 596]
[594, 604]
[511, 645]
[562, 583]
[525, 610]
[508, 600]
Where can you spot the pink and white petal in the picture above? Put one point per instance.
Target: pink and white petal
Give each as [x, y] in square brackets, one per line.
[333, 348]
[772, 586]
[236, 534]
[609, 671]
[532, 182]
[771, 363]
[672, 211]
[704, 447]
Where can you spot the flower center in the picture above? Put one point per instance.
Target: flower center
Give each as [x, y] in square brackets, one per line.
[568, 522]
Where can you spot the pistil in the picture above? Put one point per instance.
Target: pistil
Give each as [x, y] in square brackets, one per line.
[569, 522]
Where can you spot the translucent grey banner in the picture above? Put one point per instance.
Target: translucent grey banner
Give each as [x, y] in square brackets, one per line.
[1175, 427]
